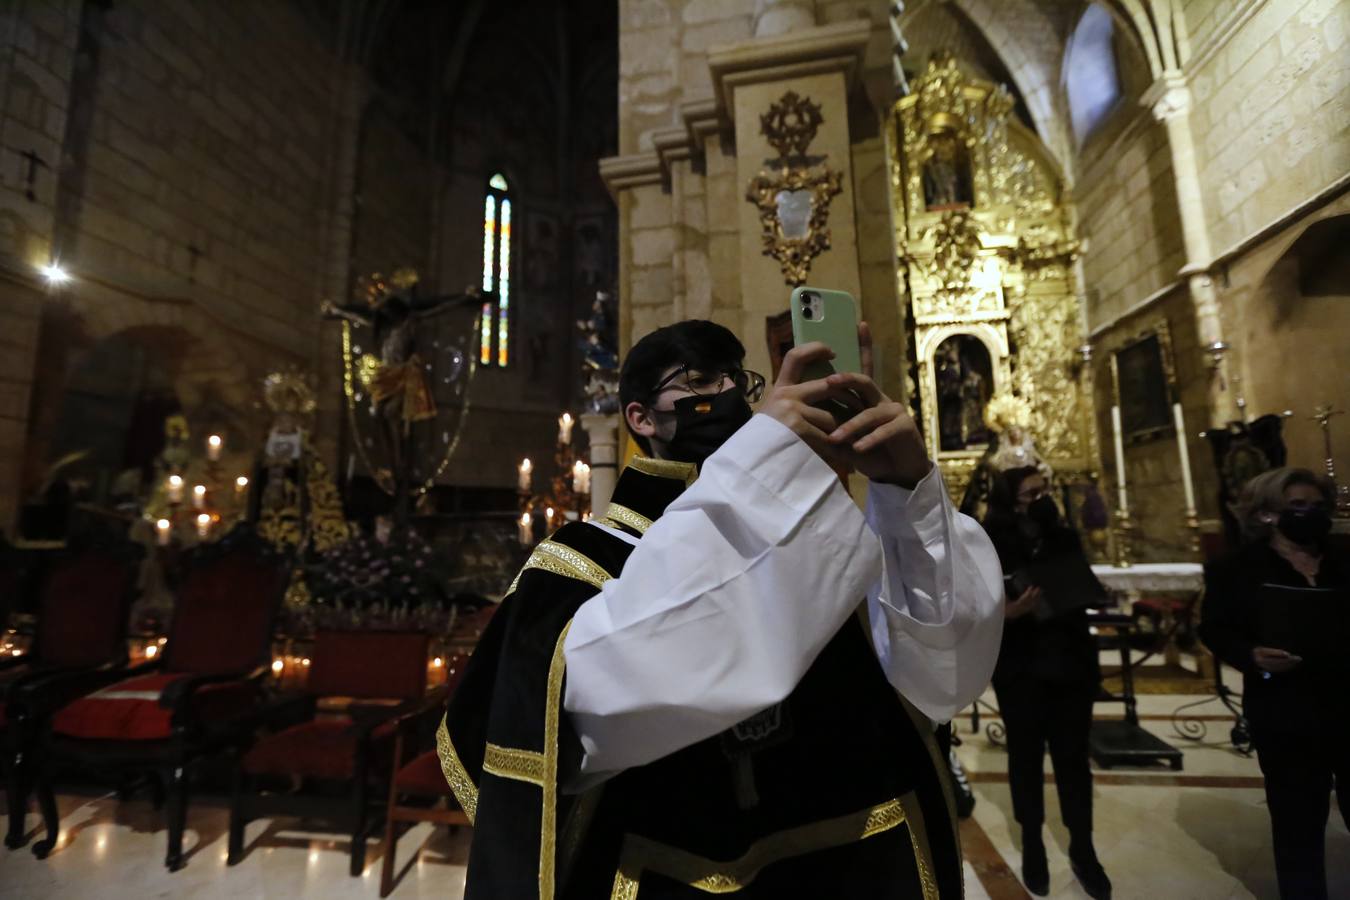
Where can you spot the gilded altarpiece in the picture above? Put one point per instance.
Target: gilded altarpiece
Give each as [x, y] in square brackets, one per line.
[985, 253]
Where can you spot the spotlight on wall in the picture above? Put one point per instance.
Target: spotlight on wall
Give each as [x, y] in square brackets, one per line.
[54, 274]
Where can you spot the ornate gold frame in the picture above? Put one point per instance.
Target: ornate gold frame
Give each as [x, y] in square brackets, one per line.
[789, 126]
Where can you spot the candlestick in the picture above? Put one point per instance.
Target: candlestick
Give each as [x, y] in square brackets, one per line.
[1124, 539]
[565, 423]
[525, 471]
[526, 532]
[1184, 454]
[213, 445]
[199, 495]
[174, 488]
[1123, 502]
[163, 532]
[203, 525]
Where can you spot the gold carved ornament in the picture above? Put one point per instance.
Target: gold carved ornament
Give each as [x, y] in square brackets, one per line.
[793, 191]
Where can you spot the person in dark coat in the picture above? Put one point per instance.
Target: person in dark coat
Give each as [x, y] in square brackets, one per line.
[1278, 610]
[1046, 680]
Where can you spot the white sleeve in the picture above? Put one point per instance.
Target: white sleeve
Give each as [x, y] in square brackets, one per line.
[723, 605]
[937, 612]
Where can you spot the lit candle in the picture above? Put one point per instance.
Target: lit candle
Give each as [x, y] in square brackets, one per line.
[578, 477]
[1122, 501]
[277, 667]
[585, 478]
[175, 488]
[526, 532]
[565, 423]
[203, 525]
[1185, 455]
[525, 469]
[213, 445]
[548, 518]
[199, 495]
[240, 484]
[162, 532]
[151, 651]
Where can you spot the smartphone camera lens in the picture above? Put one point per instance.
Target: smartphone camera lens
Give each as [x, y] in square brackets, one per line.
[810, 305]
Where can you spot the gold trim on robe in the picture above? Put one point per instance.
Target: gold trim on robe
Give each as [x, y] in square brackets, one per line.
[665, 468]
[519, 765]
[465, 791]
[711, 876]
[616, 512]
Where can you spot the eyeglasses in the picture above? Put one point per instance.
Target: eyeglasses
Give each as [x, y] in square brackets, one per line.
[695, 381]
[1032, 495]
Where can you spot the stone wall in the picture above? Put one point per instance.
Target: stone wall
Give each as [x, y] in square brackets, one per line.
[1271, 114]
[1126, 199]
[187, 182]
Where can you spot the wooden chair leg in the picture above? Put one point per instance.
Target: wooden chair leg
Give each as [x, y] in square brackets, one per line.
[16, 791]
[176, 813]
[237, 818]
[390, 847]
[360, 824]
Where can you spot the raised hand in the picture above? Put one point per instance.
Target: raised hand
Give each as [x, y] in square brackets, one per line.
[791, 403]
[882, 441]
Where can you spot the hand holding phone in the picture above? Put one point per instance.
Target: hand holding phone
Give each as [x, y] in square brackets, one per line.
[830, 318]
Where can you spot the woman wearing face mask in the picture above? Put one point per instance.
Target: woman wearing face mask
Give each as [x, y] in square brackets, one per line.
[1278, 610]
[1046, 680]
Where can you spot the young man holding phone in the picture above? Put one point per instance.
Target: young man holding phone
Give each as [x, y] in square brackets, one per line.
[684, 695]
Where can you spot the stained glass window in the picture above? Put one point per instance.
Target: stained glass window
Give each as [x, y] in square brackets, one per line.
[496, 274]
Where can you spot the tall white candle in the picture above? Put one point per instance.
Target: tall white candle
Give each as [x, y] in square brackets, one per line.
[577, 478]
[525, 469]
[199, 495]
[526, 530]
[1185, 455]
[565, 423]
[213, 445]
[162, 531]
[203, 525]
[1122, 500]
[175, 488]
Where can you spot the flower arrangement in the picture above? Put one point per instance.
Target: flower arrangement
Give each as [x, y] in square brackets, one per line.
[391, 579]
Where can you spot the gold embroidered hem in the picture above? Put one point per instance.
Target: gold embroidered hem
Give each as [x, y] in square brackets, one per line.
[563, 560]
[625, 516]
[552, 714]
[666, 468]
[465, 791]
[944, 775]
[641, 854]
[519, 765]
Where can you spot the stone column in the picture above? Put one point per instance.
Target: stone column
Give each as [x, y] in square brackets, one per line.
[603, 432]
[821, 65]
[1170, 101]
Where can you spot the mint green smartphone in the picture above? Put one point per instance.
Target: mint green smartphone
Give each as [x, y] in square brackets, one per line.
[830, 317]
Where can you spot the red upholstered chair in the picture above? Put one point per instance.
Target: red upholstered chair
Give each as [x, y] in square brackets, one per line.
[368, 680]
[418, 791]
[81, 630]
[162, 718]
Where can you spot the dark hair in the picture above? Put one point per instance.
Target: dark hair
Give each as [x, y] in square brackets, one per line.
[696, 343]
[1265, 494]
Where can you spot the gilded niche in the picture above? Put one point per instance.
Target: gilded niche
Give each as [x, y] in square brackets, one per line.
[986, 253]
[793, 190]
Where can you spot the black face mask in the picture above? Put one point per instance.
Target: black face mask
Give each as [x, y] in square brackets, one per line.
[704, 423]
[1305, 526]
[1044, 513]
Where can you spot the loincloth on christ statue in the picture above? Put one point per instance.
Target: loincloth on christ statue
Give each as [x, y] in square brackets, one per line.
[406, 383]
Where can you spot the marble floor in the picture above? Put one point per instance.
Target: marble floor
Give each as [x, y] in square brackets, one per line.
[1197, 834]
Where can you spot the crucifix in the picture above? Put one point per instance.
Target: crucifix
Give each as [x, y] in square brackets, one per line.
[399, 388]
[1322, 415]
